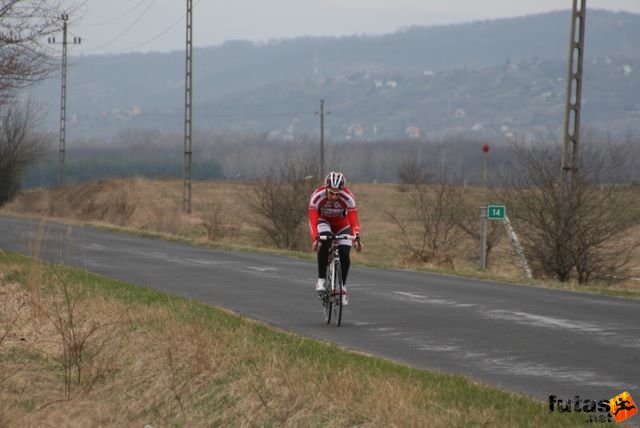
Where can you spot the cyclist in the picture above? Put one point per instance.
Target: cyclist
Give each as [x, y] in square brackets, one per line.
[332, 210]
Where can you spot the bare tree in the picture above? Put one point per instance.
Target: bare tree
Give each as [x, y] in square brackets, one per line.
[429, 230]
[572, 227]
[410, 171]
[20, 146]
[25, 56]
[281, 201]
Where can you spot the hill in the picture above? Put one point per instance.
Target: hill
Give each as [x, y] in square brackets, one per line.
[493, 77]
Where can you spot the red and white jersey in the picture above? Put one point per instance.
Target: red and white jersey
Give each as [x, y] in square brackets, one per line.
[338, 214]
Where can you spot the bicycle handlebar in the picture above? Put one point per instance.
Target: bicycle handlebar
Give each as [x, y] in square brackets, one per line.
[337, 237]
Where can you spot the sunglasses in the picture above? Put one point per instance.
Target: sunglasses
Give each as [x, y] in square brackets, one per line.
[333, 192]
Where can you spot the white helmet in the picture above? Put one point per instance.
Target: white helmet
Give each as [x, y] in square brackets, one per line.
[335, 180]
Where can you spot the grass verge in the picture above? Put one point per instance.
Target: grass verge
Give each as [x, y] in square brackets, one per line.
[166, 361]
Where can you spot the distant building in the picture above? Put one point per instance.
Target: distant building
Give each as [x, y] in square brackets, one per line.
[412, 132]
[355, 130]
[389, 83]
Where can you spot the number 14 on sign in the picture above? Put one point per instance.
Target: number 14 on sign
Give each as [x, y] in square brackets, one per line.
[496, 212]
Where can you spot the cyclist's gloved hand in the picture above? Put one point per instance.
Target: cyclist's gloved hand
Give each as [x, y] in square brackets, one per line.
[358, 243]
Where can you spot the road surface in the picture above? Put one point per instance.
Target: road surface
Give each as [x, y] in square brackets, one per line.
[531, 340]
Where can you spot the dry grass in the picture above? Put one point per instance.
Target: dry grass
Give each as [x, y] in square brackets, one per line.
[171, 362]
[221, 217]
[164, 361]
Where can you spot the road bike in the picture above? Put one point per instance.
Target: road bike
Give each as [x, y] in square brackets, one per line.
[334, 285]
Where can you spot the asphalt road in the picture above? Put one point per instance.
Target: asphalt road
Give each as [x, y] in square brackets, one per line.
[530, 340]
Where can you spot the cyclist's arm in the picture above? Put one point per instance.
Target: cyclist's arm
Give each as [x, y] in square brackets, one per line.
[352, 215]
[314, 216]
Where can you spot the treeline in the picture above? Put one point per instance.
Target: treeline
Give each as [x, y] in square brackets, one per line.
[247, 157]
[45, 174]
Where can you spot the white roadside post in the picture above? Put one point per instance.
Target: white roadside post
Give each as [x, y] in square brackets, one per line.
[519, 250]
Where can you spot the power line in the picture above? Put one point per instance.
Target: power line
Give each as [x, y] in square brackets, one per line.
[152, 38]
[111, 21]
[161, 33]
[126, 30]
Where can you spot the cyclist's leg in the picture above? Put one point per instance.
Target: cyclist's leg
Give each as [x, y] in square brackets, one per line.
[323, 249]
[344, 249]
[345, 261]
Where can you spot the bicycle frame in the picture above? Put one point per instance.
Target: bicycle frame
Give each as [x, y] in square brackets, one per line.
[332, 297]
[333, 266]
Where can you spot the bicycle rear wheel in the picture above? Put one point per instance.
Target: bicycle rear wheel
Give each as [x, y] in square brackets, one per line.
[338, 290]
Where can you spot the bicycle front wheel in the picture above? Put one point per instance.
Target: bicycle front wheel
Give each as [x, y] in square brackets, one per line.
[327, 305]
[338, 289]
[327, 297]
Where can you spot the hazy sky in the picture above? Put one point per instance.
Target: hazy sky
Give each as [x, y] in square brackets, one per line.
[114, 26]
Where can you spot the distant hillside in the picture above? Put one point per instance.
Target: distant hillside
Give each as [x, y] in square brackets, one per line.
[495, 76]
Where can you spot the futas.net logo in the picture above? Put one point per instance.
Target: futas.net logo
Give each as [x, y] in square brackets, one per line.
[623, 407]
[619, 408]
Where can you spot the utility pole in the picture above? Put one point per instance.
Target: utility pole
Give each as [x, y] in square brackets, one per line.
[186, 200]
[63, 96]
[574, 91]
[322, 113]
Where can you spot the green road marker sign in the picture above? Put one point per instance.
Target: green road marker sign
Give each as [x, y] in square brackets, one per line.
[496, 212]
